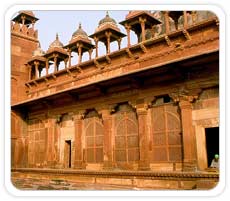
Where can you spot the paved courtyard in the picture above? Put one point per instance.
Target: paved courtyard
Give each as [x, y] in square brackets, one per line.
[56, 184]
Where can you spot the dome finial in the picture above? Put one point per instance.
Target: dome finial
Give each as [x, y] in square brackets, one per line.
[57, 36]
[107, 13]
[79, 25]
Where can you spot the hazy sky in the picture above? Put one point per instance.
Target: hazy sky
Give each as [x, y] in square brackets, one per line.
[66, 22]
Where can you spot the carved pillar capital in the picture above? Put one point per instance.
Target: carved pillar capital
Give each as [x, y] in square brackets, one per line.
[184, 95]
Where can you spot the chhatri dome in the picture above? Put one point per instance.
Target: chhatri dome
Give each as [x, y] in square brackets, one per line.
[56, 43]
[107, 21]
[79, 33]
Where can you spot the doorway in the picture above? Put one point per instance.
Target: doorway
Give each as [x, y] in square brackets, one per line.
[67, 154]
[212, 143]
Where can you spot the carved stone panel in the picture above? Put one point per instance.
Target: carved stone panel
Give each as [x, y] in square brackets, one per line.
[166, 134]
[94, 139]
[126, 135]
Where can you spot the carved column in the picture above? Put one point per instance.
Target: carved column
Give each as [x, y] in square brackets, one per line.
[69, 53]
[127, 27]
[55, 63]
[166, 16]
[36, 69]
[30, 71]
[189, 140]
[119, 43]
[78, 124]
[185, 20]
[143, 138]
[90, 53]
[79, 47]
[65, 61]
[107, 122]
[142, 21]
[96, 45]
[108, 34]
[47, 66]
[188, 132]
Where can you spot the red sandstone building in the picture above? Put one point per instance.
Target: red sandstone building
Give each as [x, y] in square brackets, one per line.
[145, 115]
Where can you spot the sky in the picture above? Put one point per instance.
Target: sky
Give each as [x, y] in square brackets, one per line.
[65, 23]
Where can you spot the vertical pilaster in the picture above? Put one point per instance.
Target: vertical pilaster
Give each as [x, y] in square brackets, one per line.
[189, 143]
[107, 122]
[50, 151]
[185, 98]
[78, 124]
[144, 163]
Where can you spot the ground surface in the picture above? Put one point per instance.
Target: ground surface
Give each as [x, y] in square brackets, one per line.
[38, 184]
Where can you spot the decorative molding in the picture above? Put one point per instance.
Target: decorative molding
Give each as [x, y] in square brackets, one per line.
[184, 94]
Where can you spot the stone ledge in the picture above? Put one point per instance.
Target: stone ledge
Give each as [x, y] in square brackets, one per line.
[113, 173]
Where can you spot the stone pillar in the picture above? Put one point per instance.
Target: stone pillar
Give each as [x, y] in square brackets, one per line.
[69, 53]
[90, 53]
[96, 45]
[65, 61]
[142, 22]
[185, 20]
[167, 27]
[55, 63]
[78, 124]
[36, 69]
[47, 67]
[50, 150]
[79, 47]
[108, 34]
[107, 122]
[119, 43]
[127, 27]
[144, 163]
[189, 140]
[30, 70]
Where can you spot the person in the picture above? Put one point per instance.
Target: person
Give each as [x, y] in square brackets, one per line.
[215, 162]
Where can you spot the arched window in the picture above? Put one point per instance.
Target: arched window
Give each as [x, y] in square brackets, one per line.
[166, 135]
[94, 138]
[126, 135]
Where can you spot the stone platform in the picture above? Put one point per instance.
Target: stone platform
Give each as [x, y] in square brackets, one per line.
[71, 179]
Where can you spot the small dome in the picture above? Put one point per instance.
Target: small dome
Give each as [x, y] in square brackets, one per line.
[38, 51]
[80, 32]
[27, 12]
[56, 43]
[107, 19]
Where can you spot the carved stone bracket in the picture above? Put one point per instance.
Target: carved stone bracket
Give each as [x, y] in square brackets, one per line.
[168, 41]
[143, 48]
[183, 94]
[129, 53]
[186, 34]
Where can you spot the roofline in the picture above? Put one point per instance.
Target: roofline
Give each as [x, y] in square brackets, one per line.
[128, 73]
